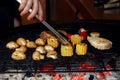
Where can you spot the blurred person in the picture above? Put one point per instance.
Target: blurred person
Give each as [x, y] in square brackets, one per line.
[26, 5]
[11, 12]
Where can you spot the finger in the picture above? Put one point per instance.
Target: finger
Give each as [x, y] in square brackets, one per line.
[27, 7]
[22, 5]
[40, 13]
[34, 9]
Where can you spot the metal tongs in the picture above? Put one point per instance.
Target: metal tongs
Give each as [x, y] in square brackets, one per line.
[62, 39]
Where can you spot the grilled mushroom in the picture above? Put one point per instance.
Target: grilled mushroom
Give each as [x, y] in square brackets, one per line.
[21, 41]
[40, 41]
[12, 45]
[31, 44]
[41, 49]
[22, 48]
[36, 55]
[45, 34]
[48, 48]
[52, 54]
[18, 55]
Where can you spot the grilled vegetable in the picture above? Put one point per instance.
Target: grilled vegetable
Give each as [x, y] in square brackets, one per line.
[83, 33]
[41, 49]
[12, 45]
[22, 48]
[45, 34]
[75, 39]
[31, 44]
[81, 48]
[53, 41]
[52, 54]
[36, 55]
[48, 48]
[94, 34]
[40, 41]
[66, 50]
[18, 55]
[69, 35]
[21, 41]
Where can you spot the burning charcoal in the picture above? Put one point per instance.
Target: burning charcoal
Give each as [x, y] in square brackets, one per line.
[43, 79]
[111, 78]
[27, 75]
[91, 77]
[39, 75]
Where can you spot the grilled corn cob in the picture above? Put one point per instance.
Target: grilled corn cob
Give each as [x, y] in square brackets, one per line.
[75, 39]
[81, 49]
[66, 50]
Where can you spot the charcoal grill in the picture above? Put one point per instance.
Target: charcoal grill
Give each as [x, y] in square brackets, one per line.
[97, 59]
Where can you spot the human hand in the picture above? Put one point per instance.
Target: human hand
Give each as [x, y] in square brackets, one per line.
[35, 5]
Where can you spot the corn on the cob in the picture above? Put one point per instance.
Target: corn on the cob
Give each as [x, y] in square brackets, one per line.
[81, 49]
[66, 50]
[75, 39]
[53, 41]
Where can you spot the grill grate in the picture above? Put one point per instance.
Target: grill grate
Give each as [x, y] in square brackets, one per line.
[95, 60]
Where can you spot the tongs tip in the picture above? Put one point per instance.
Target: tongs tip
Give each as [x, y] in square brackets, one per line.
[62, 39]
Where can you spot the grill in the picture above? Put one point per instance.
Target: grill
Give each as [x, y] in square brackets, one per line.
[94, 61]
